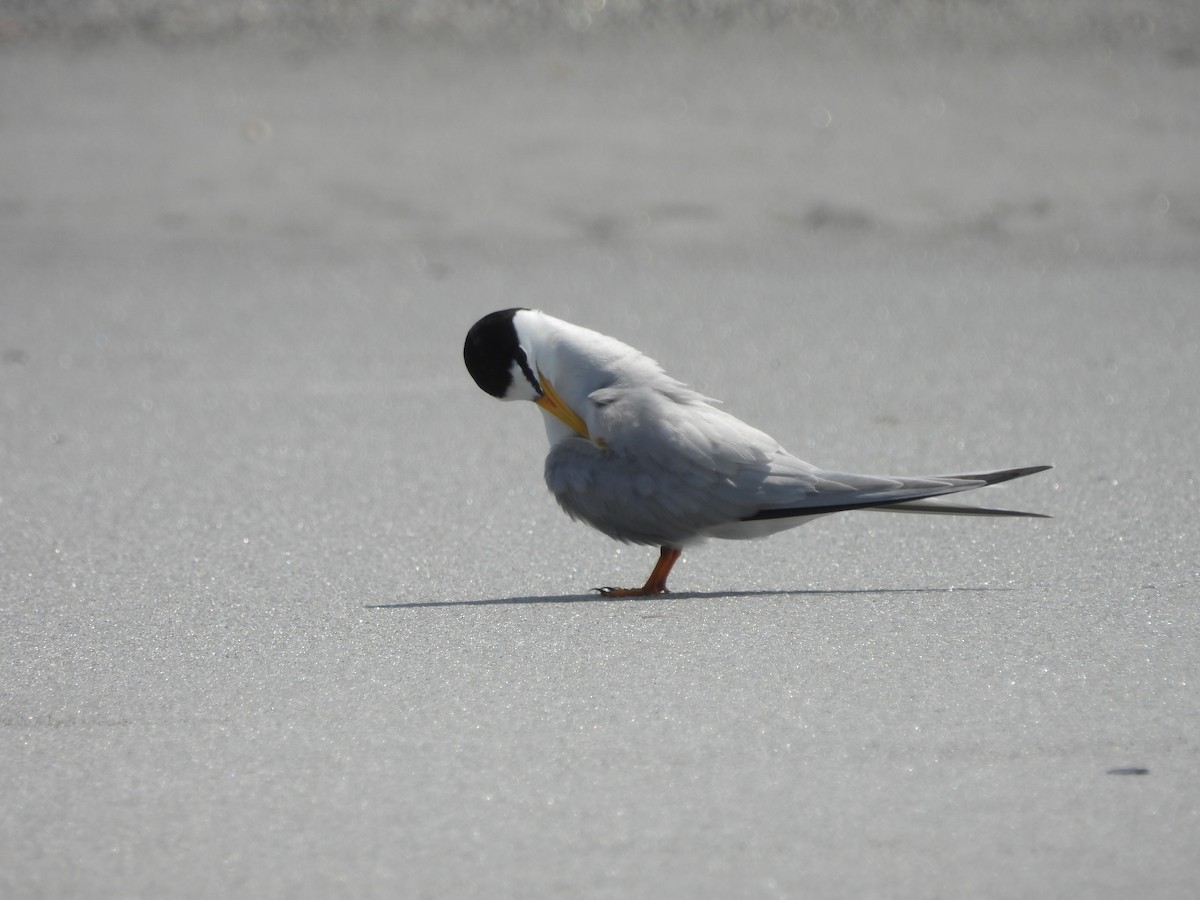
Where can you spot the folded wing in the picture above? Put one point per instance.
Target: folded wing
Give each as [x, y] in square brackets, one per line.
[665, 467]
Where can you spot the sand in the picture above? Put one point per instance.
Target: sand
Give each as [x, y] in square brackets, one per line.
[288, 612]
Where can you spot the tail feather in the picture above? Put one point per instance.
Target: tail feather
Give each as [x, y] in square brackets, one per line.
[913, 498]
[1000, 475]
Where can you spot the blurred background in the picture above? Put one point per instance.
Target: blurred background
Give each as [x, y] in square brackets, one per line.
[286, 609]
[604, 123]
[280, 197]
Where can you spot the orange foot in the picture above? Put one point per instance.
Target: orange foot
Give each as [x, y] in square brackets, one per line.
[655, 584]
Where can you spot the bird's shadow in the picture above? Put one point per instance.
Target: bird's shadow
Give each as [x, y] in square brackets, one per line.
[683, 595]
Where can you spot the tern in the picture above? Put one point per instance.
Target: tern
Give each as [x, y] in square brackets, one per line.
[645, 459]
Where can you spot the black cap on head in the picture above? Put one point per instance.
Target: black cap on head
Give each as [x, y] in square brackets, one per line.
[491, 349]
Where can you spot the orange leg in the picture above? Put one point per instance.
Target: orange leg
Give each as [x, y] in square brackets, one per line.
[656, 583]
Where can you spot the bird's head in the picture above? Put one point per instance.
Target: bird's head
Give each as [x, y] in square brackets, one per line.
[502, 355]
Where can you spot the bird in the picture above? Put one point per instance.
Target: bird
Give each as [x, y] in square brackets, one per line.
[645, 459]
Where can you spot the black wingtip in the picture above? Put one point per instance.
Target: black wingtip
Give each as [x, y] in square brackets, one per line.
[932, 506]
[913, 503]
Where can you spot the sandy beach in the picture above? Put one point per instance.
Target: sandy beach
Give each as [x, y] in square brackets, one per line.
[287, 610]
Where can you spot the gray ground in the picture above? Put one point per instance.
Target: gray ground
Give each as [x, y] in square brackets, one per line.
[286, 610]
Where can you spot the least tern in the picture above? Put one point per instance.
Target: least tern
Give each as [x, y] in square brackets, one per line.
[647, 460]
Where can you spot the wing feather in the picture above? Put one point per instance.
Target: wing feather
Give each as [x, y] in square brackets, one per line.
[663, 466]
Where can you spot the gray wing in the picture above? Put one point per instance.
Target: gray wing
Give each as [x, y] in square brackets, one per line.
[897, 495]
[653, 472]
[665, 467]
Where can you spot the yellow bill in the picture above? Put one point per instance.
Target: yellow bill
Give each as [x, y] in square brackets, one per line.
[552, 403]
